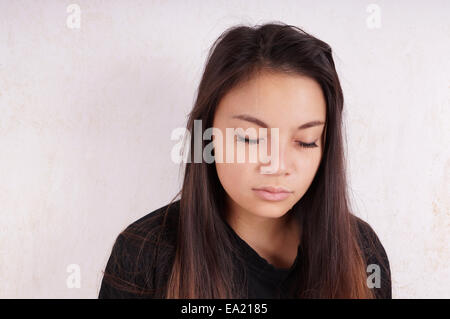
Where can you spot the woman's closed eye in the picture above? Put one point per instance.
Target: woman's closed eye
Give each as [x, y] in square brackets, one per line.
[248, 140]
[256, 141]
[307, 145]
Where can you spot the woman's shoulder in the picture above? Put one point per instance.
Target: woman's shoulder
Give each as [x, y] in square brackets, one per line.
[368, 238]
[163, 219]
[375, 256]
[158, 227]
[140, 255]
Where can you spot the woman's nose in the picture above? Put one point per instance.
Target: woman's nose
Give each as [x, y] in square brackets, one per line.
[279, 160]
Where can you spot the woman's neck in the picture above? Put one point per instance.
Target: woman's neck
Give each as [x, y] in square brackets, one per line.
[275, 239]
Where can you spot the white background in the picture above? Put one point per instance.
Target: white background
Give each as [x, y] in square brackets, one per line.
[86, 117]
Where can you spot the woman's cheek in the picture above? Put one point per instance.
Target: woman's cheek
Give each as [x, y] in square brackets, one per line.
[235, 179]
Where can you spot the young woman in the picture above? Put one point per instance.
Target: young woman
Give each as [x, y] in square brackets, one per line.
[238, 231]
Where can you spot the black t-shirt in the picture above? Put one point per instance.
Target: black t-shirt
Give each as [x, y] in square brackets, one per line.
[127, 261]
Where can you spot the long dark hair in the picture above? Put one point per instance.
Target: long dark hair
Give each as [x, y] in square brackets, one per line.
[204, 264]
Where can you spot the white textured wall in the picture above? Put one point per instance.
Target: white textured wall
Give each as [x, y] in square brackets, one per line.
[86, 116]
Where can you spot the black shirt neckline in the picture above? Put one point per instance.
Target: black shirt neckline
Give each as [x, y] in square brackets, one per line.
[259, 265]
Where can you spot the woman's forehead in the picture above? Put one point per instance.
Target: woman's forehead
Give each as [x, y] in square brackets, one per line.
[275, 98]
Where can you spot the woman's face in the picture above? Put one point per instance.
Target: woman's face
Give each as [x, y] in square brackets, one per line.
[275, 100]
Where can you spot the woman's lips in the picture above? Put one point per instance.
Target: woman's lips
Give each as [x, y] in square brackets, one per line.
[272, 194]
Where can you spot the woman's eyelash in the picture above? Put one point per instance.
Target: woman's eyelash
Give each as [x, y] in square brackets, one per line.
[256, 141]
[247, 140]
[307, 145]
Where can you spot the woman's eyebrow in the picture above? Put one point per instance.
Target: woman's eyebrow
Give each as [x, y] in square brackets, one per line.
[258, 122]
